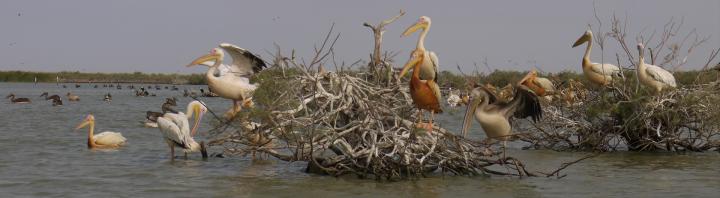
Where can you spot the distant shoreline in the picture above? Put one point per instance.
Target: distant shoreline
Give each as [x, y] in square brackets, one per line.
[79, 77]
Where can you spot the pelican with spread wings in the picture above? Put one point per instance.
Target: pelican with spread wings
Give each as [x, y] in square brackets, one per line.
[494, 116]
[232, 81]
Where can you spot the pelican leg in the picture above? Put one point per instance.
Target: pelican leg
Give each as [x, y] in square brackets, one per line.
[420, 118]
[504, 145]
[238, 106]
[186, 156]
[172, 153]
[231, 112]
[430, 123]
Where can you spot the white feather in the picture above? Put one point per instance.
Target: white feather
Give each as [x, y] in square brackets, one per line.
[109, 138]
[605, 69]
[661, 75]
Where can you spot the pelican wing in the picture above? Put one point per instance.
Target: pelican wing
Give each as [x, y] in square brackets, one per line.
[524, 104]
[109, 138]
[492, 95]
[175, 129]
[605, 69]
[661, 75]
[435, 62]
[545, 84]
[434, 86]
[244, 63]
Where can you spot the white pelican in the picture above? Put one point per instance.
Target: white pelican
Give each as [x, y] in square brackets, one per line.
[429, 62]
[104, 140]
[72, 97]
[653, 76]
[542, 87]
[176, 129]
[422, 91]
[600, 74]
[231, 81]
[17, 100]
[494, 116]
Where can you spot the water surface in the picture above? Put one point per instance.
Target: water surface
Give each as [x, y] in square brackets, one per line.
[43, 156]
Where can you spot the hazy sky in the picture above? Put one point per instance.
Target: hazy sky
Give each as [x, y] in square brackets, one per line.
[164, 36]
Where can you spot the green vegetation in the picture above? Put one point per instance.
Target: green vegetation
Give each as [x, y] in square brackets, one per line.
[503, 77]
[72, 77]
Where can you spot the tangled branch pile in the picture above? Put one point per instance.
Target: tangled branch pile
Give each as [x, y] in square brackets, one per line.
[348, 122]
[342, 124]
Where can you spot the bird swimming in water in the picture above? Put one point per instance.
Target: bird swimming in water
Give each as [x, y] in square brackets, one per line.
[17, 100]
[104, 140]
[107, 97]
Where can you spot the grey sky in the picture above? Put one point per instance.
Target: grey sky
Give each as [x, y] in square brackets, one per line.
[163, 36]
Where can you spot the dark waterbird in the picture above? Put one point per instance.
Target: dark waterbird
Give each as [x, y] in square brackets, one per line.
[53, 97]
[17, 100]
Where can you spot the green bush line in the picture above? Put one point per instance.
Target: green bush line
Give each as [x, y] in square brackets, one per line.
[78, 77]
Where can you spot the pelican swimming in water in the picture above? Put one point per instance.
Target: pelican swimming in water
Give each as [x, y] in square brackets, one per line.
[494, 116]
[104, 140]
[231, 81]
[18, 100]
[540, 86]
[429, 61]
[600, 74]
[176, 129]
[72, 97]
[653, 76]
[422, 91]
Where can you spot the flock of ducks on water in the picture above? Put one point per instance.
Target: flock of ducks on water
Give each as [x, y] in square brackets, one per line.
[491, 107]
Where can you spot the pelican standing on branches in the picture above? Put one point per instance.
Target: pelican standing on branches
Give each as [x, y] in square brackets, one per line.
[429, 61]
[653, 76]
[422, 92]
[423, 83]
[494, 116]
[104, 140]
[232, 81]
[176, 129]
[542, 87]
[600, 74]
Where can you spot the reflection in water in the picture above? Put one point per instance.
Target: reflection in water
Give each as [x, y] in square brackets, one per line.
[43, 156]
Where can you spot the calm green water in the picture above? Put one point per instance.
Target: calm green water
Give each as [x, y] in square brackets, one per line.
[43, 157]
